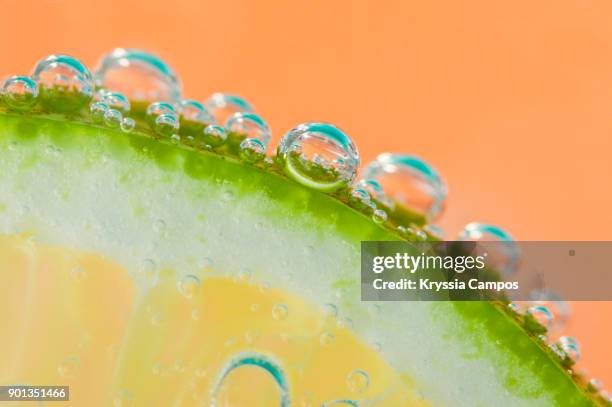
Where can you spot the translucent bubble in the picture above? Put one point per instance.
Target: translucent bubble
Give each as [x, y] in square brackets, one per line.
[379, 216]
[570, 346]
[280, 312]
[214, 135]
[596, 384]
[115, 100]
[515, 307]
[502, 253]
[358, 381]
[359, 197]
[194, 111]
[559, 308]
[166, 125]
[409, 181]
[327, 339]
[331, 310]
[113, 118]
[128, 124]
[97, 111]
[319, 155]
[156, 109]
[542, 315]
[20, 93]
[138, 75]
[189, 285]
[252, 150]
[64, 83]
[223, 105]
[373, 187]
[249, 125]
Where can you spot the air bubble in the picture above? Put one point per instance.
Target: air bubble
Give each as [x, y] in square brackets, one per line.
[249, 125]
[319, 155]
[542, 315]
[20, 93]
[559, 308]
[410, 181]
[115, 100]
[64, 83]
[128, 124]
[570, 346]
[359, 197]
[166, 125]
[358, 381]
[194, 111]
[596, 384]
[280, 312]
[97, 111]
[379, 216]
[223, 105]
[502, 253]
[113, 118]
[189, 285]
[138, 75]
[214, 135]
[252, 150]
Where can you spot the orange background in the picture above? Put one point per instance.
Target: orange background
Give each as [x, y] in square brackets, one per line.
[511, 101]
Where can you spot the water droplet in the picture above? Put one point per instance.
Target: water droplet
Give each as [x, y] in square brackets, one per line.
[97, 111]
[138, 75]
[559, 308]
[64, 83]
[358, 381]
[502, 253]
[113, 118]
[69, 367]
[189, 285]
[280, 312]
[570, 346]
[257, 360]
[409, 181]
[20, 93]
[372, 187]
[327, 339]
[542, 315]
[194, 111]
[360, 197]
[249, 125]
[214, 135]
[331, 310]
[115, 100]
[223, 105]
[156, 109]
[514, 307]
[128, 124]
[379, 216]
[252, 150]
[596, 384]
[166, 125]
[319, 155]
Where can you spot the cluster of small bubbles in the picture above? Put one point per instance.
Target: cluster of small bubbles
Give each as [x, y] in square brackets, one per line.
[20, 93]
[223, 105]
[502, 251]
[280, 312]
[214, 135]
[359, 197]
[319, 155]
[256, 132]
[64, 83]
[379, 216]
[194, 111]
[166, 125]
[114, 100]
[327, 339]
[372, 187]
[69, 367]
[358, 381]
[542, 315]
[570, 346]
[188, 285]
[138, 75]
[410, 181]
[128, 124]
